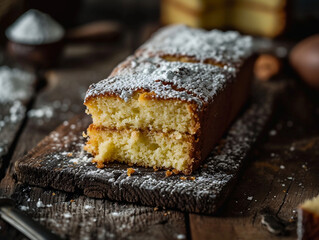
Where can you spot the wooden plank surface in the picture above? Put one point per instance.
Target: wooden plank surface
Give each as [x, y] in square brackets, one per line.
[283, 173]
[13, 108]
[60, 162]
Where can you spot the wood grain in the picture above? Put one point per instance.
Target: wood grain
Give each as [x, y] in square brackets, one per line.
[283, 173]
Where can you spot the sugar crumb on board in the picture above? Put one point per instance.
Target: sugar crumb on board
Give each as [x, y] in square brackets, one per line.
[130, 171]
[175, 171]
[168, 173]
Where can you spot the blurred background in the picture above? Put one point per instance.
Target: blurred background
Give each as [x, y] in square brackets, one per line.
[271, 18]
[33, 38]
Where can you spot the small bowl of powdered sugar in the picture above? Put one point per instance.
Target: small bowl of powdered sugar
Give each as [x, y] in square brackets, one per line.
[35, 39]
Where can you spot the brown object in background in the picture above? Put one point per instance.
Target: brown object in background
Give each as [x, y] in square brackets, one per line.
[39, 56]
[304, 58]
[266, 66]
[95, 31]
[308, 220]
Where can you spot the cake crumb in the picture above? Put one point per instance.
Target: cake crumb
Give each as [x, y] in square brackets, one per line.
[72, 200]
[168, 173]
[155, 169]
[53, 194]
[175, 171]
[40, 204]
[191, 178]
[183, 178]
[70, 154]
[130, 171]
[99, 165]
[155, 209]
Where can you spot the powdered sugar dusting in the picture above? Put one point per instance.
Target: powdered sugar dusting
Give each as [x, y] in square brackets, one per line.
[194, 82]
[188, 81]
[224, 47]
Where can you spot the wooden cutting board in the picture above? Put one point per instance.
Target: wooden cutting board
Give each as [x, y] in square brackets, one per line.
[59, 162]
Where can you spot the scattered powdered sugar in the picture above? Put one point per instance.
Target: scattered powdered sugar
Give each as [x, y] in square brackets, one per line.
[14, 113]
[43, 112]
[180, 236]
[191, 81]
[40, 204]
[35, 27]
[115, 214]
[24, 208]
[250, 198]
[15, 84]
[86, 207]
[81, 157]
[273, 132]
[67, 215]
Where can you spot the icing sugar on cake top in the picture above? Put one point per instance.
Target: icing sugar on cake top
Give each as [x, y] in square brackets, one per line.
[194, 82]
[225, 47]
[35, 27]
[187, 81]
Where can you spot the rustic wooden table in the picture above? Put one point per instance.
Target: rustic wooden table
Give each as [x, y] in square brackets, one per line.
[282, 170]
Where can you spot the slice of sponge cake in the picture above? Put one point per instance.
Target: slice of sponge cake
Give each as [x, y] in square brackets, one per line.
[168, 104]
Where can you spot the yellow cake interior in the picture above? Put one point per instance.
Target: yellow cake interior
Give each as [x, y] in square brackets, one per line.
[143, 148]
[143, 112]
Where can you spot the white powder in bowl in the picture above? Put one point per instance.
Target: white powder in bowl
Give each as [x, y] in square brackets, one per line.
[35, 27]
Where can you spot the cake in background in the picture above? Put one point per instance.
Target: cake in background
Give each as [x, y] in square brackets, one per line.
[258, 17]
[268, 18]
[195, 13]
